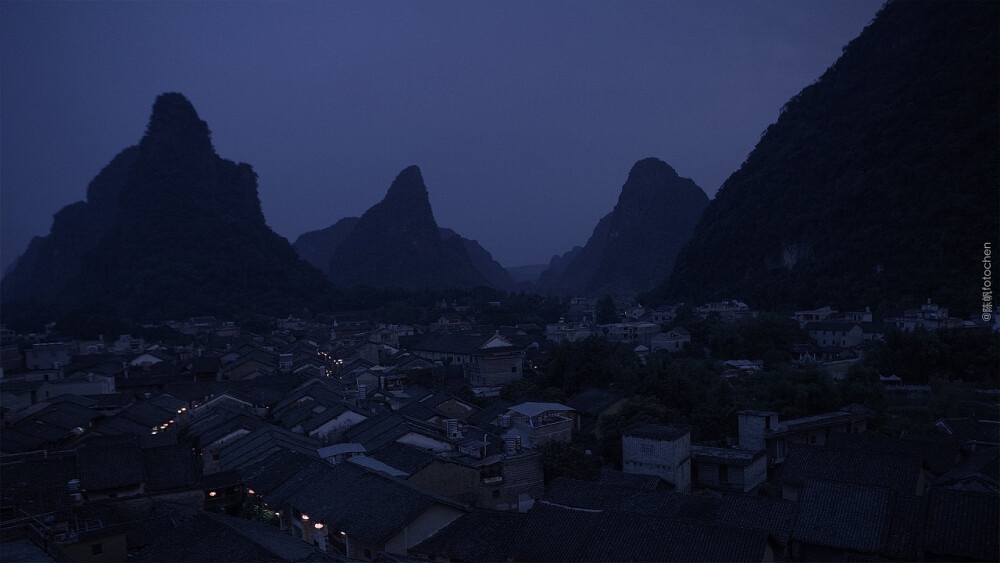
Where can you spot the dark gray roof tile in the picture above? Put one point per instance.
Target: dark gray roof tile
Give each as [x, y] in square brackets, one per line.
[482, 535]
[844, 516]
[963, 524]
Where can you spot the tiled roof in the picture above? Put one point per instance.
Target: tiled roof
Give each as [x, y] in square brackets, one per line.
[403, 457]
[319, 419]
[899, 472]
[377, 431]
[111, 465]
[775, 516]
[633, 480]
[147, 414]
[939, 456]
[12, 441]
[418, 393]
[970, 429]
[261, 443]
[844, 516]
[983, 464]
[215, 537]
[268, 474]
[489, 413]
[170, 467]
[369, 506]
[535, 409]
[221, 479]
[906, 533]
[482, 535]
[119, 425]
[963, 524]
[38, 486]
[417, 410]
[562, 534]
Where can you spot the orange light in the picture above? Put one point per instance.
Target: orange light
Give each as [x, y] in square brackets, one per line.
[211, 494]
[304, 517]
[277, 514]
[250, 491]
[318, 526]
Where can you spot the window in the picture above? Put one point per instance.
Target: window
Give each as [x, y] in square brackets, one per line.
[97, 549]
[513, 369]
[368, 553]
[496, 493]
[812, 439]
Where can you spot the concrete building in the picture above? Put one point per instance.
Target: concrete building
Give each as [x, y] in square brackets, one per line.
[760, 430]
[655, 449]
[727, 469]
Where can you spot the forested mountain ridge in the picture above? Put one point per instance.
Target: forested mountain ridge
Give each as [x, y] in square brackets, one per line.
[877, 184]
[632, 249]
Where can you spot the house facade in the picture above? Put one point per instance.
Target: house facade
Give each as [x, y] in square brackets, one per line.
[761, 430]
[727, 469]
[655, 449]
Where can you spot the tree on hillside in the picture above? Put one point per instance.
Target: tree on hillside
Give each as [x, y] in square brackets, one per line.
[605, 311]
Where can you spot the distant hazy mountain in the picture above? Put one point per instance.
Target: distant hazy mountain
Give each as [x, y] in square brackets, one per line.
[398, 243]
[527, 274]
[632, 249]
[878, 183]
[169, 229]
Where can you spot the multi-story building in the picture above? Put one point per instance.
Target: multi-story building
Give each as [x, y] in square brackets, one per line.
[655, 449]
[760, 430]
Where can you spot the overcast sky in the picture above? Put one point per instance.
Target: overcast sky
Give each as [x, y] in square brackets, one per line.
[524, 117]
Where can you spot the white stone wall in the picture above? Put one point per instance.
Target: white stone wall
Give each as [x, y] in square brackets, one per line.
[670, 461]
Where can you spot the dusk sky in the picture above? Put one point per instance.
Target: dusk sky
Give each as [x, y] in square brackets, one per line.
[524, 117]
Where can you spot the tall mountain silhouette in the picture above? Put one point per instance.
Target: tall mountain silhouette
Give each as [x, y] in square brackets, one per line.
[168, 229]
[632, 249]
[877, 184]
[398, 243]
[316, 247]
[496, 275]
